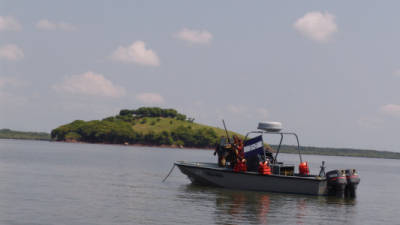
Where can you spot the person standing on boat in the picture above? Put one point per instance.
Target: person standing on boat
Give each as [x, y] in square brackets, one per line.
[225, 153]
[220, 150]
[240, 165]
[238, 147]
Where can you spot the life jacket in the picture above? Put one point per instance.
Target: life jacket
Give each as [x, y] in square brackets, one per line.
[240, 148]
[240, 166]
[264, 168]
[303, 168]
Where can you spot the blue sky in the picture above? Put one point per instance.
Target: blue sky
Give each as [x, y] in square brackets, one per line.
[327, 71]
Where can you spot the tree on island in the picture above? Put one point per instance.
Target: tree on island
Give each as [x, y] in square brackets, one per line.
[153, 112]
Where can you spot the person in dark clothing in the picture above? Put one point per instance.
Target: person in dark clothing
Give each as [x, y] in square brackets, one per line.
[224, 152]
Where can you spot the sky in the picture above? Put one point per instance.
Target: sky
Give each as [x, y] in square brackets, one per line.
[328, 70]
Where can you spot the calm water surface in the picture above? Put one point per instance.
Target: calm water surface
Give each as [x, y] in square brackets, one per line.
[62, 183]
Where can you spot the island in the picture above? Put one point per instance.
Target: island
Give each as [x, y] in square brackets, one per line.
[152, 126]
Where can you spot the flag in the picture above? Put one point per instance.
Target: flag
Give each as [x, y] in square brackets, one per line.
[253, 147]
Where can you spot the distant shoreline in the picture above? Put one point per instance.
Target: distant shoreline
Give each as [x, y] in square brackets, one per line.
[24, 135]
[305, 150]
[288, 149]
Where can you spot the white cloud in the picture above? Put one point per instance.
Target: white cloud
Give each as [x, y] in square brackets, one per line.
[49, 25]
[46, 25]
[150, 98]
[317, 26]
[89, 83]
[194, 36]
[9, 23]
[11, 52]
[136, 53]
[391, 110]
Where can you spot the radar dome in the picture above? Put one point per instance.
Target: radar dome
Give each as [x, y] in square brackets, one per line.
[270, 126]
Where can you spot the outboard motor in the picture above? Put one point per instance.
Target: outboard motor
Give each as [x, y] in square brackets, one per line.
[336, 182]
[353, 179]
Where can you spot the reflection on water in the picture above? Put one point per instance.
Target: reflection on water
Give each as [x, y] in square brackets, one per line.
[247, 207]
[339, 201]
[301, 208]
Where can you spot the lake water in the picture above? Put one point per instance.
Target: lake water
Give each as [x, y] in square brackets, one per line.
[62, 183]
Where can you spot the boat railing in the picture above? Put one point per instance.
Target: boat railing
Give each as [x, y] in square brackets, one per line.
[282, 134]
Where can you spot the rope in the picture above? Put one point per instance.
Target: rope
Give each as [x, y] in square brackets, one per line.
[169, 173]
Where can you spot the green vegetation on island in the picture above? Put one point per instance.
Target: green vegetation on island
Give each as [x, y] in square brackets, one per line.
[11, 134]
[147, 125]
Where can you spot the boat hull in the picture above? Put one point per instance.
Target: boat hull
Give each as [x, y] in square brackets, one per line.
[211, 174]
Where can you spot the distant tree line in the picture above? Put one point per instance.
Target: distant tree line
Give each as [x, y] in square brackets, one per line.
[11, 134]
[153, 112]
[339, 152]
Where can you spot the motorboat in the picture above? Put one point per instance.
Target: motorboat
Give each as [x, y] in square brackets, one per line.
[280, 177]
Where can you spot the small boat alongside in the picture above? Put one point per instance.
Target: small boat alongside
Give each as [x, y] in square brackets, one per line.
[250, 165]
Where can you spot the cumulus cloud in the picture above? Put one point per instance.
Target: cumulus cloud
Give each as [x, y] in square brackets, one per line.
[11, 52]
[136, 53]
[391, 110]
[150, 98]
[317, 26]
[89, 83]
[9, 23]
[45, 24]
[194, 36]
